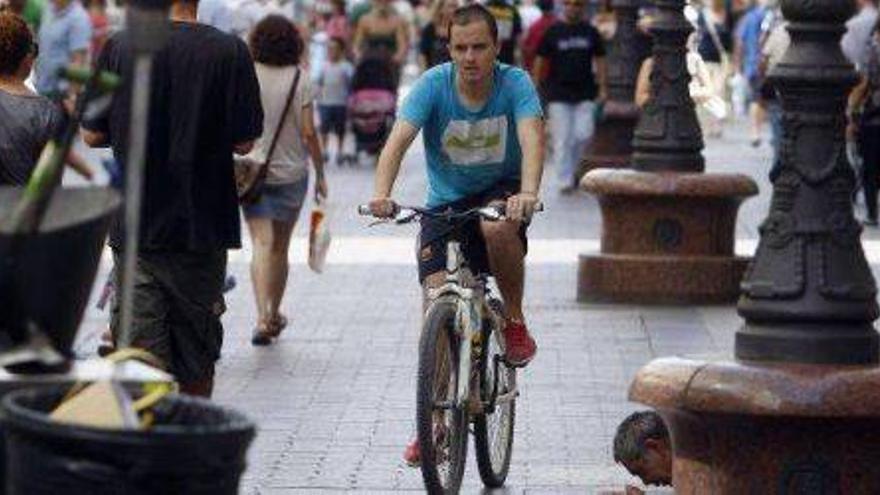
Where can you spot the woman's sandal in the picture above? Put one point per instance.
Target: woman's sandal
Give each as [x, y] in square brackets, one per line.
[261, 337]
[276, 325]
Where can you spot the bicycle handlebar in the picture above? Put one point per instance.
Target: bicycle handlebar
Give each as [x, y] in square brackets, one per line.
[492, 213]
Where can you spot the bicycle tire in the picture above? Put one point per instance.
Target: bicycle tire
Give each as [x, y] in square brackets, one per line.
[439, 335]
[493, 464]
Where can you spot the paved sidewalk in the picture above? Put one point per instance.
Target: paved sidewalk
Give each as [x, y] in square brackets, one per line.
[334, 397]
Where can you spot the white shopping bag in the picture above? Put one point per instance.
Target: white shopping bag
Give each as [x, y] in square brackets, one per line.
[319, 238]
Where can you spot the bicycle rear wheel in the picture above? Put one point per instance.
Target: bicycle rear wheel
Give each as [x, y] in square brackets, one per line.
[442, 426]
[493, 430]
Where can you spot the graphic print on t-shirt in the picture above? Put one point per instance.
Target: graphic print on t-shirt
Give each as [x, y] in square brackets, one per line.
[574, 43]
[480, 142]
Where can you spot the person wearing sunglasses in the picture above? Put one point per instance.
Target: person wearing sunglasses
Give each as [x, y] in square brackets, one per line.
[570, 69]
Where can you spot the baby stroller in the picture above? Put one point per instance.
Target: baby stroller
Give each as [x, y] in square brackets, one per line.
[372, 104]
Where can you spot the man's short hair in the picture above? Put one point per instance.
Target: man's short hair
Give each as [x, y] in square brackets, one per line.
[474, 13]
[16, 42]
[634, 432]
[546, 5]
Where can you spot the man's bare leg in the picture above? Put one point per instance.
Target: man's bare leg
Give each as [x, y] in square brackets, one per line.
[507, 262]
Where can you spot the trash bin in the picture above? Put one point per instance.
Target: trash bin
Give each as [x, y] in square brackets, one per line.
[50, 280]
[195, 447]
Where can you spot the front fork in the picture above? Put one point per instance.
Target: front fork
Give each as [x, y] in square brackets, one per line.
[470, 322]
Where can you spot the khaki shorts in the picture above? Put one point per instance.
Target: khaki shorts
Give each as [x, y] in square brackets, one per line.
[178, 301]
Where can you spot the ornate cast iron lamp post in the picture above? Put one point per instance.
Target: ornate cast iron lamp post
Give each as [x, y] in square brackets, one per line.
[798, 411]
[612, 144]
[668, 228]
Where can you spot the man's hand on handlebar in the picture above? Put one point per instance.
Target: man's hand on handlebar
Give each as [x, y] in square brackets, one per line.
[521, 207]
[383, 208]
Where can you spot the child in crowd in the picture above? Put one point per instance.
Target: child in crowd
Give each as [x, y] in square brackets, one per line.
[334, 85]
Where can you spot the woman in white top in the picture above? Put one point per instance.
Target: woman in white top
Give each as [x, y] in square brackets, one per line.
[276, 47]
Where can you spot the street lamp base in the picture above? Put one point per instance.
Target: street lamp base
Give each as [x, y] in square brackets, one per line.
[666, 237]
[815, 343]
[740, 427]
[668, 280]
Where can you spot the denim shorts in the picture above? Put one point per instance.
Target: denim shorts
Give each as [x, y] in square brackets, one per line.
[333, 118]
[279, 202]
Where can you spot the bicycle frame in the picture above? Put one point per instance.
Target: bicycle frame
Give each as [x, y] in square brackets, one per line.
[468, 297]
[467, 312]
[468, 294]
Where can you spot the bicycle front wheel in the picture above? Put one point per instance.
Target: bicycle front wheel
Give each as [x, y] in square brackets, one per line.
[442, 425]
[493, 430]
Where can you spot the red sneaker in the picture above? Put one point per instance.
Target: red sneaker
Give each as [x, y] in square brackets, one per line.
[519, 346]
[412, 456]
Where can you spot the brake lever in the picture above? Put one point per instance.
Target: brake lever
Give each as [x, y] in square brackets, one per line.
[405, 219]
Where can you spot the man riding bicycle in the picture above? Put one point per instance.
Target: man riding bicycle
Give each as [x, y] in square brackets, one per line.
[482, 127]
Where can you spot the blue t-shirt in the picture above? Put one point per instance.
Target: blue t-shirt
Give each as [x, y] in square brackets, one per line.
[749, 34]
[61, 34]
[469, 151]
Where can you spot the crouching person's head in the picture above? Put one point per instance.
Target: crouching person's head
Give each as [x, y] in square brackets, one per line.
[642, 445]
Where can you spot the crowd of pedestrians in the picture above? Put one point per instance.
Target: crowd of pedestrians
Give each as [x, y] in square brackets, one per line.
[246, 55]
[276, 82]
[279, 82]
[232, 83]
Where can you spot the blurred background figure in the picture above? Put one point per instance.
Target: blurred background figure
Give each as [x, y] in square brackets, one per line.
[750, 34]
[529, 13]
[772, 50]
[574, 84]
[605, 20]
[857, 39]
[715, 43]
[864, 127]
[27, 120]
[29, 10]
[65, 37]
[100, 26]
[433, 43]
[334, 87]
[535, 33]
[217, 13]
[337, 25]
[382, 34]
[510, 29]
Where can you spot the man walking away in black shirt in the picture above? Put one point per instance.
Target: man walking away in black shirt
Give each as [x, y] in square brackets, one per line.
[573, 84]
[205, 106]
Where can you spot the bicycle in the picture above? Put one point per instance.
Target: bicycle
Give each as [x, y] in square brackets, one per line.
[464, 317]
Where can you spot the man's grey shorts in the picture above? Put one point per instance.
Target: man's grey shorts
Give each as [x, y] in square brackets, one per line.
[178, 301]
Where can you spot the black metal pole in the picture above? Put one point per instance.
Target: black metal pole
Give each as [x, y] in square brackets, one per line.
[668, 136]
[624, 54]
[809, 295]
[148, 26]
